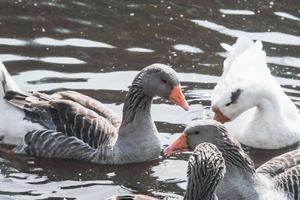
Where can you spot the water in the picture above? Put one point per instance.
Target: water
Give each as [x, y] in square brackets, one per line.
[97, 47]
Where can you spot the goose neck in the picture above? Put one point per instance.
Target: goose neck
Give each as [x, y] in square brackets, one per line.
[137, 106]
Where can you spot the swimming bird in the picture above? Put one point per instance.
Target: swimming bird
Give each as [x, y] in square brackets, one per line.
[206, 168]
[278, 178]
[251, 102]
[71, 125]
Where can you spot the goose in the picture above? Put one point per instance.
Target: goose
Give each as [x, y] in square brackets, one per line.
[206, 168]
[277, 179]
[250, 101]
[71, 125]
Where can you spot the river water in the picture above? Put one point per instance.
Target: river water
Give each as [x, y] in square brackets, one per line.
[97, 47]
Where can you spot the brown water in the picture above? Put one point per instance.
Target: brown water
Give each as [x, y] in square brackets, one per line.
[97, 47]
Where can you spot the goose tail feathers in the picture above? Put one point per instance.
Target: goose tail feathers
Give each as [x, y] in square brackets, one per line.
[6, 81]
[245, 50]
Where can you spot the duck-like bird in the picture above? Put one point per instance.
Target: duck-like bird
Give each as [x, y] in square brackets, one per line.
[277, 179]
[74, 126]
[250, 101]
[206, 168]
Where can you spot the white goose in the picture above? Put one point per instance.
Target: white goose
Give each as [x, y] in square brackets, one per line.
[250, 101]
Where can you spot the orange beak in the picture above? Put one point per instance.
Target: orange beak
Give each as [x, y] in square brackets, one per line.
[178, 98]
[218, 116]
[179, 144]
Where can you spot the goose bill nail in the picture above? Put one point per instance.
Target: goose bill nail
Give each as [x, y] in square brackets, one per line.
[178, 98]
[218, 116]
[179, 144]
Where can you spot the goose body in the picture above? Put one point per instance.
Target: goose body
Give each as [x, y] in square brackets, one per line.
[250, 101]
[206, 168]
[74, 126]
[277, 179]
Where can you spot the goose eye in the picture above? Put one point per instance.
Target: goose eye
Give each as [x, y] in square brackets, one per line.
[197, 132]
[164, 81]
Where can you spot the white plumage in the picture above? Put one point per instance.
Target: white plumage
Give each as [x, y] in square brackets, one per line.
[262, 116]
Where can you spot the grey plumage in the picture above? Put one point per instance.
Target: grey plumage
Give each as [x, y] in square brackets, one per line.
[49, 143]
[80, 127]
[285, 172]
[206, 168]
[278, 178]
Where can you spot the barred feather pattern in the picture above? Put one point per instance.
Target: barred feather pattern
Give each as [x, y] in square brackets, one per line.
[75, 120]
[67, 116]
[285, 172]
[135, 101]
[206, 168]
[91, 104]
[52, 144]
[233, 152]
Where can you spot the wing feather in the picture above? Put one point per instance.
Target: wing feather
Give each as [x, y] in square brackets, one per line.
[53, 144]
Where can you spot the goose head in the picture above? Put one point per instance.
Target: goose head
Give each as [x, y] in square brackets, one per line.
[161, 80]
[229, 103]
[244, 79]
[195, 133]
[211, 131]
[206, 168]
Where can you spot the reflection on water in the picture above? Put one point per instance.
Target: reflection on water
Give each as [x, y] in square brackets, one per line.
[272, 37]
[97, 47]
[287, 15]
[236, 12]
[187, 48]
[76, 42]
[57, 60]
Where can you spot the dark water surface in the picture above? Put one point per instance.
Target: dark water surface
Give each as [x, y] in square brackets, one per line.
[97, 47]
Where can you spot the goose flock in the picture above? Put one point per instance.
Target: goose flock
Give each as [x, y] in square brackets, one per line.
[248, 104]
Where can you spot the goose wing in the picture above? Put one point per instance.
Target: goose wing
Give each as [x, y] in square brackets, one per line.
[57, 112]
[53, 144]
[91, 104]
[285, 172]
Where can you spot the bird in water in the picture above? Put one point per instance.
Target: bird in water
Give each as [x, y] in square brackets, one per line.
[251, 102]
[206, 168]
[277, 179]
[71, 125]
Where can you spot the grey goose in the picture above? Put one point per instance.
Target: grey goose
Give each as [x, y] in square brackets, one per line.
[206, 168]
[277, 179]
[71, 125]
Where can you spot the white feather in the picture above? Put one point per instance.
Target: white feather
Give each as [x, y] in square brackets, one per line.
[267, 118]
[13, 127]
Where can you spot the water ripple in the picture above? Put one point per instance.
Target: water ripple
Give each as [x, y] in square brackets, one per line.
[12, 42]
[139, 49]
[272, 37]
[55, 60]
[187, 48]
[76, 42]
[287, 15]
[236, 12]
[286, 61]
